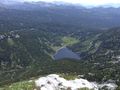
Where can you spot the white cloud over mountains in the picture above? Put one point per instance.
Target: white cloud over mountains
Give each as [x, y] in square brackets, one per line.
[86, 2]
[114, 3]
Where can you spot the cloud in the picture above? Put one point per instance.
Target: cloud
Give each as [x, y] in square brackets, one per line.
[85, 2]
[115, 3]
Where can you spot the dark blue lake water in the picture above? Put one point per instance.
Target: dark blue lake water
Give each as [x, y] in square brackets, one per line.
[65, 53]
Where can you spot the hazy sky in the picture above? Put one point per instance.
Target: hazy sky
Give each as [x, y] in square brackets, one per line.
[85, 2]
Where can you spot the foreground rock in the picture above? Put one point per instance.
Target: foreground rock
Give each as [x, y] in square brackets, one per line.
[55, 82]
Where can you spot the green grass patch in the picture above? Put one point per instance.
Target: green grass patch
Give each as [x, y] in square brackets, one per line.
[55, 48]
[68, 76]
[85, 89]
[26, 85]
[69, 41]
[66, 41]
[10, 41]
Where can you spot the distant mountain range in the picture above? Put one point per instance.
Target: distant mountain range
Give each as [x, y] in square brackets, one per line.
[55, 3]
[98, 17]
